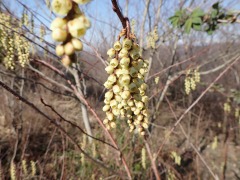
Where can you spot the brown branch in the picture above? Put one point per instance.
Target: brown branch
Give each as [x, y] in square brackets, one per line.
[117, 10]
[152, 159]
[124, 20]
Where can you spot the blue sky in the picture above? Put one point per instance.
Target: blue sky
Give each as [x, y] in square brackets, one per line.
[102, 15]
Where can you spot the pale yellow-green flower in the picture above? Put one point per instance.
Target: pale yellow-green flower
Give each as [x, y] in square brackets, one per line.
[66, 61]
[58, 23]
[117, 46]
[123, 53]
[109, 95]
[114, 62]
[69, 49]
[59, 35]
[82, 1]
[77, 44]
[111, 53]
[127, 44]
[76, 28]
[125, 94]
[59, 50]
[61, 7]
[124, 62]
[109, 69]
[134, 54]
[106, 108]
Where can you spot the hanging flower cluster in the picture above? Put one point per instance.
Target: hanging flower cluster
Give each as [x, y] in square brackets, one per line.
[126, 98]
[191, 80]
[69, 29]
[13, 45]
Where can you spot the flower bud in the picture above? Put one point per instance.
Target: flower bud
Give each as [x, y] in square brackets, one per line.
[139, 117]
[83, 19]
[109, 95]
[113, 103]
[69, 49]
[111, 53]
[125, 95]
[108, 85]
[110, 116]
[59, 35]
[137, 97]
[113, 125]
[127, 44]
[116, 89]
[119, 106]
[118, 98]
[61, 7]
[117, 46]
[123, 53]
[130, 103]
[106, 108]
[77, 44]
[134, 54]
[144, 86]
[140, 105]
[124, 102]
[114, 62]
[116, 112]
[133, 87]
[66, 61]
[109, 69]
[145, 125]
[123, 112]
[59, 50]
[142, 71]
[133, 72]
[145, 99]
[112, 78]
[125, 80]
[58, 23]
[106, 101]
[137, 112]
[105, 121]
[144, 112]
[124, 62]
[76, 28]
[81, 1]
[136, 47]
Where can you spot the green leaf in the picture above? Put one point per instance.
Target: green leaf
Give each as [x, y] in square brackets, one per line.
[197, 13]
[188, 25]
[196, 20]
[216, 6]
[210, 32]
[197, 27]
[174, 20]
[214, 13]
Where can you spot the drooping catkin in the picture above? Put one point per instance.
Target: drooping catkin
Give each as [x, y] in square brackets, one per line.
[13, 175]
[191, 80]
[68, 29]
[12, 44]
[83, 146]
[24, 167]
[33, 168]
[126, 97]
[143, 158]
